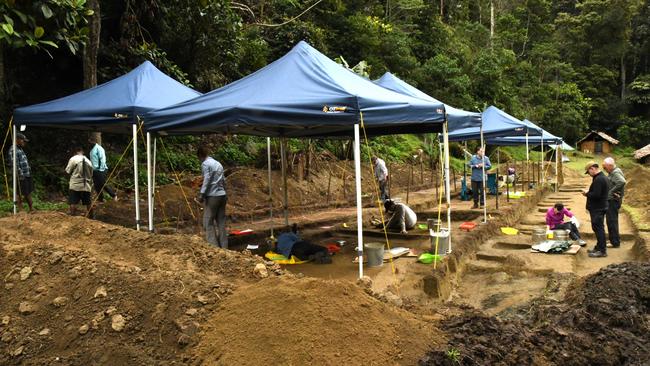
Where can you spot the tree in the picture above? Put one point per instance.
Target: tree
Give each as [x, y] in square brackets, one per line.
[40, 25]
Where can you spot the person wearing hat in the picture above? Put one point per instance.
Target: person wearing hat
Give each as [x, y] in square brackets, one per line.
[597, 207]
[25, 182]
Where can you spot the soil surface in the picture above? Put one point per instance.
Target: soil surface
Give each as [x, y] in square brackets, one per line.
[603, 320]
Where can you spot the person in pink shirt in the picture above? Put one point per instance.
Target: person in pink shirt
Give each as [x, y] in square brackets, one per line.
[555, 221]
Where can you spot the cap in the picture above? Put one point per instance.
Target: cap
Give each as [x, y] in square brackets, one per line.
[589, 165]
[20, 136]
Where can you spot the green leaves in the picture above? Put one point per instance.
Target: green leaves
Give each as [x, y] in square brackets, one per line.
[7, 28]
[39, 32]
[47, 12]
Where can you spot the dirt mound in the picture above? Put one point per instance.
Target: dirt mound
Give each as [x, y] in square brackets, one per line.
[292, 321]
[602, 321]
[80, 292]
[636, 189]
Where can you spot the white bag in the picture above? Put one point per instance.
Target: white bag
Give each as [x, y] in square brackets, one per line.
[574, 221]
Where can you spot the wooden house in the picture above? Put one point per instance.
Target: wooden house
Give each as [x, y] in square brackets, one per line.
[597, 142]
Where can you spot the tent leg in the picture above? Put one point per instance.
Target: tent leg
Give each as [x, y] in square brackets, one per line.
[445, 137]
[149, 185]
[14, 170]
[497, 181]
[557, 166]
[135, 177]
[527, 162]
[484, 183]
[357, 176]
[153, 171]
[285, 204]
[268, 155]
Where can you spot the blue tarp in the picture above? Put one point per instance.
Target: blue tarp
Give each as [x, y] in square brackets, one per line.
[496, 123]
[112, 106]
[548, 138]
[302, 94]
[457, 118]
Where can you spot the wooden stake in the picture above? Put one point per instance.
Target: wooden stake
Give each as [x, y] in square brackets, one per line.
[329, 182]
[408, 186]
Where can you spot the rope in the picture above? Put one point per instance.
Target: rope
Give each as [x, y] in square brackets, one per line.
[178, 179]
[4, 168]
[92, 205]
[381, 211]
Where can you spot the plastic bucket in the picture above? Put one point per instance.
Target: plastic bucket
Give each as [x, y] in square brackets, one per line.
[375, 254]
[443, 242]
[539, 235]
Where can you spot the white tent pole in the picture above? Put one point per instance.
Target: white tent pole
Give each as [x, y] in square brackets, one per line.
[268, 155]
[285, 202]
[527, 162]
[541, 183]
[484, 183]
[357, 176]
[447, 183]
[135, 177]
[527, 151]
[557, 167]
[14, 169]
[149, 185]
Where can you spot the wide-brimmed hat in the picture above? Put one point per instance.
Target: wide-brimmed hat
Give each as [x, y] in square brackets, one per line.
[589, 165]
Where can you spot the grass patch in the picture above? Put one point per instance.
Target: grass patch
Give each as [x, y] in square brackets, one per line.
[638, 217]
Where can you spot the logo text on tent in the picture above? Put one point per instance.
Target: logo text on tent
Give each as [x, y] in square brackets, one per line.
[327, 109]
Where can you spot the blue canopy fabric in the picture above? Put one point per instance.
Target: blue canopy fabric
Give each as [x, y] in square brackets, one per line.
[546, 137]
[457, 118]
[112, 106]
[302, 94]
[496, 123]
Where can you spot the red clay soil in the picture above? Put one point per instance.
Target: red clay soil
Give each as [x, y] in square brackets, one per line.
[288, 321]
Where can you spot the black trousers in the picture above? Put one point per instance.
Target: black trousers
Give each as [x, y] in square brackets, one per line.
[598, 226]
[99, 181]
[612, 222]
[574, 233]
[303, 249]
[477, 192]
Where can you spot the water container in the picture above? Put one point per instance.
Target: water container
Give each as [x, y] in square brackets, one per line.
[560, 235]
[539, 235]
[443, 241]
[375, 254]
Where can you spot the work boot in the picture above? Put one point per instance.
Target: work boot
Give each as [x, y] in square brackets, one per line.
[597, 254]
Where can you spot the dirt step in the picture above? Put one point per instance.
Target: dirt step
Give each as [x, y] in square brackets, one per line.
[492, 267]
[571, 189]
[510, 246]
[492, 257]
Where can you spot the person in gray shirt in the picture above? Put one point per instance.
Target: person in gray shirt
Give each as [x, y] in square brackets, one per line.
[213, 197]
[615, 199]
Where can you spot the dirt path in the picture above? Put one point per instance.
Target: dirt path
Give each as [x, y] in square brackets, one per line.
[505, 273]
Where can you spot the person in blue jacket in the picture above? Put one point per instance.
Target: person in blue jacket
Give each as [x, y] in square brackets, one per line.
[476, 163]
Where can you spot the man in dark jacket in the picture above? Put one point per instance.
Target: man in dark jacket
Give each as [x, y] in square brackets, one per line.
[597, 207]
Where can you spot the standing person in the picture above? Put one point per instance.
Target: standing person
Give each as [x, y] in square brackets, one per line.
[81, 178]
[476, 163]
[614, 199]
[100, 169]
[25, 182]
[381, 174]
[213, 197]
[597, 207]
[555, 221]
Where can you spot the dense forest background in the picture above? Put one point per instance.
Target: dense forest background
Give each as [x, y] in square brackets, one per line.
[569, 66]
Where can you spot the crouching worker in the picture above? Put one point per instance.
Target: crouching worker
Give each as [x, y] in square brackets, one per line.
[555, 221]
[402, 217]
[289, 244]
[81, 179]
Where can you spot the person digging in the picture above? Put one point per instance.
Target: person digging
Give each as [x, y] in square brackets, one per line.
[290, 243]
[402, 217]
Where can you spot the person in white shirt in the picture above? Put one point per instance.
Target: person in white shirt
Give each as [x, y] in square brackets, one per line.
[403, 218]
[381, 174]
[81, 179]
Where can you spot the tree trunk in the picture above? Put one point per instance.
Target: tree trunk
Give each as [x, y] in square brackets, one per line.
[3, 90]
[90, 52]
[491, 22]
[623, 81]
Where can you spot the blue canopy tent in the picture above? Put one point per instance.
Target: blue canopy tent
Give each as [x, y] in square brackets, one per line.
[546, 139]
[114, 106]
[302, 94]
[456, 119]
